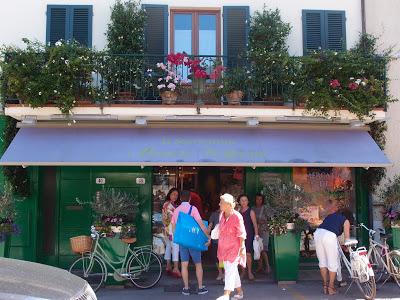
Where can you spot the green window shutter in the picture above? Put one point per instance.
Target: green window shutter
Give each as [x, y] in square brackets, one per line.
[81, 30]
[236, 31]
[57, 24]
[156, 29]
[313, 30]
[324, 29]
[335, 24]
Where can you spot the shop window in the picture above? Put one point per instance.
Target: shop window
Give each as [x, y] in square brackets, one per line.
[323, 184]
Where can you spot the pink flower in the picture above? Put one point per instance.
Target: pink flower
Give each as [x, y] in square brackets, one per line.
[353, 86]
[334, 83]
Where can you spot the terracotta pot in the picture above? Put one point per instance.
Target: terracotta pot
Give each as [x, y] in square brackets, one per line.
[169, 97]
[129, 240]
[234, 97]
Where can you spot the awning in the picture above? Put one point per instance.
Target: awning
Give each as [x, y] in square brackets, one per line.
[251, 147]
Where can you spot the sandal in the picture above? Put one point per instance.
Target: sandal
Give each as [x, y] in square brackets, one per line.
[325, 289]
[331, 290]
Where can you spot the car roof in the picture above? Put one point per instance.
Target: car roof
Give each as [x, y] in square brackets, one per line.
[37, 280]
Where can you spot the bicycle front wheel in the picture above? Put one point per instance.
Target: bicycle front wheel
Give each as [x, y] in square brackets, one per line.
[92, 270]
[394, 257]
[368, 288]
[144, 269]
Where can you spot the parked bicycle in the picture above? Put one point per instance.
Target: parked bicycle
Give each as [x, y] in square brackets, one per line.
[384, 261]
[140, 265]
[359, 268]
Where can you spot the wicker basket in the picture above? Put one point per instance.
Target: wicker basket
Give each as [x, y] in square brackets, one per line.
[81, 244]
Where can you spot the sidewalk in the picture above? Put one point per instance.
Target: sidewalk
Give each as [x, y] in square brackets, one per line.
[308, 287]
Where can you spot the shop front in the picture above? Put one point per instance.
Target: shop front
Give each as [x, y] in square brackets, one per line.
[74, 163]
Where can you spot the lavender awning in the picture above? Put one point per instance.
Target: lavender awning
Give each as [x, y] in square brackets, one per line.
[251, 147]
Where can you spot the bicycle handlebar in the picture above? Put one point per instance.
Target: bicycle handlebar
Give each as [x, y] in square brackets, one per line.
[370, 231]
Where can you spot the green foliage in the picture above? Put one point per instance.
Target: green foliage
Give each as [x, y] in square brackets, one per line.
[39, 73]
[390, 192]
[16, 176]
[111, 202]
[7, 205]
[268, 49]
[285, 198]
[373, 176]
[353, 80]
[125, 32]
[237, 79]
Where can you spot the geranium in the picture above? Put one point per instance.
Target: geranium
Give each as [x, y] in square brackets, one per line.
[353, 86]
[169, 79]
[334, 83]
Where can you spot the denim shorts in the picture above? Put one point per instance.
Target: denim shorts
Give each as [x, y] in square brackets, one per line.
[186, 253]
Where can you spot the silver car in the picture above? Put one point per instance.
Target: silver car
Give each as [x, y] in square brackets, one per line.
[32, 281]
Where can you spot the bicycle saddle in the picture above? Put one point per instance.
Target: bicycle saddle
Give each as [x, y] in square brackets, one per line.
[350, 242]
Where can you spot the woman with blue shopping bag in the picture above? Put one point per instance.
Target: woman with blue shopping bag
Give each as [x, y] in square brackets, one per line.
[189, 229]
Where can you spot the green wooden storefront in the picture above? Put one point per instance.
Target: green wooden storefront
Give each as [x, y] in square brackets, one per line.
[51, 214]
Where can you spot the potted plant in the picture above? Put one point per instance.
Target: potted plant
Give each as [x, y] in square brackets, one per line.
[169, 81]
[7, 218]
[233, 85]
[285, 226]
[390, 196]
[113, 210]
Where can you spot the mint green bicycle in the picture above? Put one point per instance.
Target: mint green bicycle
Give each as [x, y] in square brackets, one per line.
[141, 266]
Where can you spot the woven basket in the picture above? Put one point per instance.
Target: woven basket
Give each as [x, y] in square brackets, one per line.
[81, 244]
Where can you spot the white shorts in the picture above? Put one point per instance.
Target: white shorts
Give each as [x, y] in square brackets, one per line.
[171, 249]
[326, 246]
[232, 278]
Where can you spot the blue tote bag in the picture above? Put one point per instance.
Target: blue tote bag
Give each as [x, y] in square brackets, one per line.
[188, 232]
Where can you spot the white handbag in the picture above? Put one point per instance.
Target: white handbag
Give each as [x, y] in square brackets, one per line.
[215, 231]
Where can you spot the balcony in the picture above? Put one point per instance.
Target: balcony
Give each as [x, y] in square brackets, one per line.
[312, 83]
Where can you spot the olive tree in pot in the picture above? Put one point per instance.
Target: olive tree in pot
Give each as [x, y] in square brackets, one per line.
[285, 225]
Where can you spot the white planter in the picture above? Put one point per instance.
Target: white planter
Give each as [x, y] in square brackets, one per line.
[289, 226]
[393, 225]
[116, 229]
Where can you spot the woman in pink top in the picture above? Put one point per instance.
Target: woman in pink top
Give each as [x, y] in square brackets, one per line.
[231, 247]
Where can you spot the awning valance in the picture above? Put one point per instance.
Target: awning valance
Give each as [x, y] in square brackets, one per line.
[251, 147]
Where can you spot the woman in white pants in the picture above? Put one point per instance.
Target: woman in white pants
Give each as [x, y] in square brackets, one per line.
[231, 246]
[326, 244]
[171, 249]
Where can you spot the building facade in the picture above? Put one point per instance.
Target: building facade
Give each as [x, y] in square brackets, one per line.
[147, 147]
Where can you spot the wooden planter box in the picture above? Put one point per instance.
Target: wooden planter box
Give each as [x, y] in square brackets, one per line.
[285, 256]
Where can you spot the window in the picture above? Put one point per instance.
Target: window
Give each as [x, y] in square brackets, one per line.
[69, 22]
[324, 29]
[195, 32]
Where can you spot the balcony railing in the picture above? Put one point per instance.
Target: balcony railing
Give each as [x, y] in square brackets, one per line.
[132, 79]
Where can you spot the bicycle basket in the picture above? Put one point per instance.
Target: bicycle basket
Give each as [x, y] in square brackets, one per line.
[360, 265]
[81, 244]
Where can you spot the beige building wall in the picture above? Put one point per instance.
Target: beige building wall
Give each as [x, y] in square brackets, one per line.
[382, 21]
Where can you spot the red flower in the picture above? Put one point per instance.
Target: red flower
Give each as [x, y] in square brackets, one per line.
[353, 86]
[334, 83]
[176, 59]
[216, 73]
[200, 73]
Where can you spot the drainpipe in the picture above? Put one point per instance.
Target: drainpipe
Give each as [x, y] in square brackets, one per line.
[363, 23]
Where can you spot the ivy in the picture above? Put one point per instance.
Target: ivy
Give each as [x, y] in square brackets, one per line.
[17, 176]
